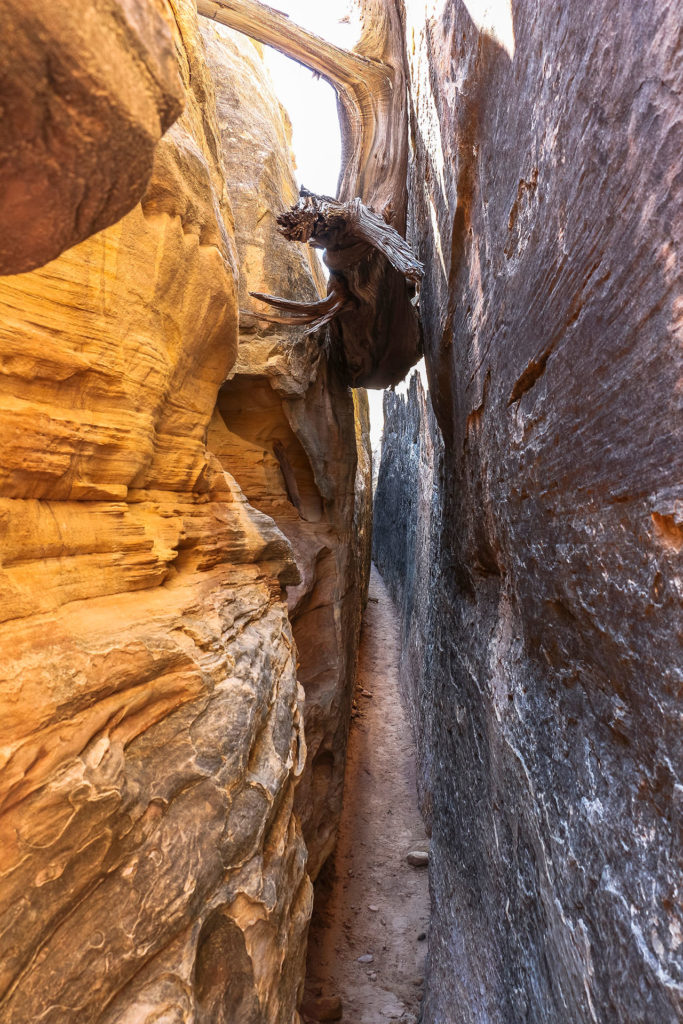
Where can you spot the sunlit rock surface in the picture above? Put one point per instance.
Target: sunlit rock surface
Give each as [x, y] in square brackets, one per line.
[87, 88]
[152, 865]
[295, 439]
[539, 580]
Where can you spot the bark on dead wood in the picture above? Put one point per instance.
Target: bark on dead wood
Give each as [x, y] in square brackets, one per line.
[373, 326]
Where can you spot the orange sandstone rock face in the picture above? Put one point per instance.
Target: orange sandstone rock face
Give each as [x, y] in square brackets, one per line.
[87, 89]
[295, 439]
[151, 736]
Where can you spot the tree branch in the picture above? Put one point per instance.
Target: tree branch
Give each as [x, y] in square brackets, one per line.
[371, 95]
[313, 315]
[257, 20]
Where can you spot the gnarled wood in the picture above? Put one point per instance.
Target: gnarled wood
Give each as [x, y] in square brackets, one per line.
[312, 315]
[374, 332]
[349, 232]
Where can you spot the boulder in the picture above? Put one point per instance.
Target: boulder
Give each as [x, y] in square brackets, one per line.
[88, 88]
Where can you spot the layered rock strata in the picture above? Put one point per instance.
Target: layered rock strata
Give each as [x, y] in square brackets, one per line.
[295, 439]
[540, 586]
[87, 89]
[152, 862]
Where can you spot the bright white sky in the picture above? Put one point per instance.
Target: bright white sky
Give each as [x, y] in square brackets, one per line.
[310, 101]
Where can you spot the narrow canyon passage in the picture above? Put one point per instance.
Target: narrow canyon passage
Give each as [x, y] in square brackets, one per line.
[197, 319]
[370, 902]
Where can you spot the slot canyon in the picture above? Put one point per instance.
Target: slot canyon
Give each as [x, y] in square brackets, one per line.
[296, 726]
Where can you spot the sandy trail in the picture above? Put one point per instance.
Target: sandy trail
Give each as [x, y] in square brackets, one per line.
[370, 901]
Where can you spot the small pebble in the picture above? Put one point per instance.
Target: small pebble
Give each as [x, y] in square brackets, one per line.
[323, 1009]
[418, 858]
[422, 936]
[373, 908]
[366, 958]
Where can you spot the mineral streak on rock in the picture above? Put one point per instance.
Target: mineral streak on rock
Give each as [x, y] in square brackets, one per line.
[87, 88]
[539, 576]
[295, 439]
[153, 867]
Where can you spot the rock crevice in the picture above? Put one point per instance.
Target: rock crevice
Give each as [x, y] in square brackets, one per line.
[185, 501]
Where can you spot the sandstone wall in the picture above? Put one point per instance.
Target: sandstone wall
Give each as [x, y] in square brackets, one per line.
[541, 583]
[295, 439]
[153, 866]
[405, 548]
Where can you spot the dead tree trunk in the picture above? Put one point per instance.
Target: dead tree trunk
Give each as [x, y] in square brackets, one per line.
[373, 327]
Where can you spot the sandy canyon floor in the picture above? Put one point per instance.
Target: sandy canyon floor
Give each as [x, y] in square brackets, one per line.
[371, 903]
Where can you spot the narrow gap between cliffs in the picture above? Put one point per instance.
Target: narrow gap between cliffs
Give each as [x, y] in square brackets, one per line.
[367, 941]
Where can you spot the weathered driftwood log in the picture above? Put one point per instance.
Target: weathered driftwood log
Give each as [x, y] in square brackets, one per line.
[373, 326]
[366, 256]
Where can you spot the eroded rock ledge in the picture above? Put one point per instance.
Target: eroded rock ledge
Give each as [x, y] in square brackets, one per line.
[88, 88]
[295, 438]
[152, 859]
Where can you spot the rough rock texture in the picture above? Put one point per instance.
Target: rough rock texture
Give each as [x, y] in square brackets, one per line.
[406, 535]
[87, 87]
[152, 865]
[294, 438]
[540, 585]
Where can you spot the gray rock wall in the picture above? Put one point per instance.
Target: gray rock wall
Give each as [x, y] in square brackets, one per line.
[539, 575]
[405, 547]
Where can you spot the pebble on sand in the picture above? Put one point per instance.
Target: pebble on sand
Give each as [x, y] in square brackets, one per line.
[366, 958]
[418, 858]
[393, 1010]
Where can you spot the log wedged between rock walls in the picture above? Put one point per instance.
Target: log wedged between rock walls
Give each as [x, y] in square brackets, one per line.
[370, 314]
